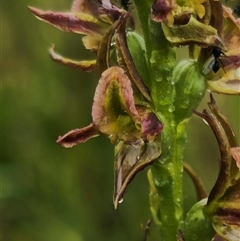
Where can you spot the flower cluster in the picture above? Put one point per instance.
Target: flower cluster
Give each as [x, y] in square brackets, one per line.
[122, 108]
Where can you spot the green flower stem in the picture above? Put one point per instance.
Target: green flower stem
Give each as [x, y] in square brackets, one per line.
[168, 182]
[143, 13]
[167, 171]
[176, 91]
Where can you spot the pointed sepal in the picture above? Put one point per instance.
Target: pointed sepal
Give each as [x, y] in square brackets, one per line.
[78, 136]
[128, 161]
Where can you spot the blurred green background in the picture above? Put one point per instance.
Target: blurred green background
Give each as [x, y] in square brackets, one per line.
[50, 193]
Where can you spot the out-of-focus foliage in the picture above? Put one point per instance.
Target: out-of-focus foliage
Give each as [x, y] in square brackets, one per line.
[51, 193]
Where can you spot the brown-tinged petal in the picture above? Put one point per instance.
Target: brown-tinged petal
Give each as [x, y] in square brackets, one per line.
[218, 238]
[180, 236]
[228, 227]
[103, 9]
[235, 151]
[68, 21]
[223, 202]
[216, 16]
[129, 160]
[86, 6]
[127, 60]
[231, 32]
[161, 9]
[114, 111]
[103, 55]
[87, 66]
[78, 136]
[194, 32]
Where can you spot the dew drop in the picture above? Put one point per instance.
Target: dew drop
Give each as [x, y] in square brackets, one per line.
[238, 73]
[172, 123]
[120, 200]
[171, 108]
[159, 79]
[236, 196]
[185, 104]
[205, 122]
[163, 160]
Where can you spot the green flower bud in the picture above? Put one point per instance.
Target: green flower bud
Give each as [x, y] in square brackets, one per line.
[137, 49]
[198, 226]
[190, 87]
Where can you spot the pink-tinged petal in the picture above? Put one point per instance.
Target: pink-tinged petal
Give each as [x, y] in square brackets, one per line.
[86, 66]
[235, 151]
[161, 9]
[150, 125]
[78, 136]
[67, 21]
[114, 88]
[106, 4]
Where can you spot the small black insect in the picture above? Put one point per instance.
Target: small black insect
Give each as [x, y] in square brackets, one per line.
[213, 63]
[125, 4]
[237, 9]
